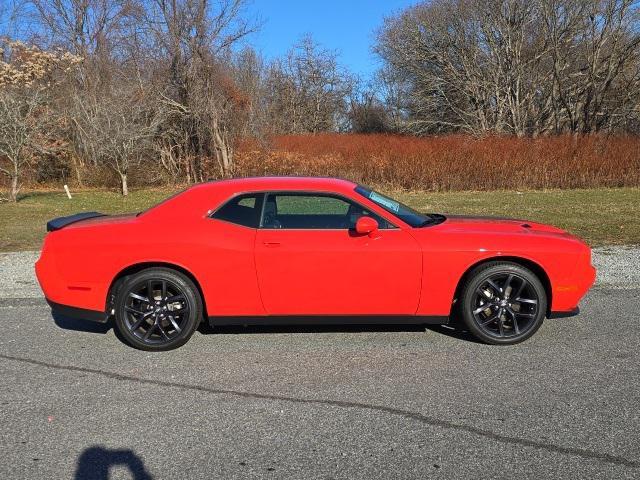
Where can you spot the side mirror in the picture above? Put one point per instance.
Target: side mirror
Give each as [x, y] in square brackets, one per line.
[366, 225]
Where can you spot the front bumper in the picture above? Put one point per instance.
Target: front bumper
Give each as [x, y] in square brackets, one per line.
[567, 295]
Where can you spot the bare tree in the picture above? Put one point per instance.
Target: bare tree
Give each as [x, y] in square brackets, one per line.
[367, 114]
[308, 90]
[195, 39]
[514, 66]
[117, 129]
[595, 48]
[27, 78]
[11, 12]
[249, 72]
[174, 56]
[19, 126]
[85, 27]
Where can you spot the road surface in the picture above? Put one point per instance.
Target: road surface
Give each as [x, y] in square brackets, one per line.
[323, 403]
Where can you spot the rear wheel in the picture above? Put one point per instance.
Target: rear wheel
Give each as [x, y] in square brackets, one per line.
[503, 303]
[157, 309]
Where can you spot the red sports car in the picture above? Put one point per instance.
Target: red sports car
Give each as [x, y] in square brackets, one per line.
[290, 250]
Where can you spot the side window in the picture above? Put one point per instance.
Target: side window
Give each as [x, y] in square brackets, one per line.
[310, 205]
[313, 211]
[242, 210]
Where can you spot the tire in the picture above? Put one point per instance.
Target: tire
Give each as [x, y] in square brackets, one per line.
[515, 303]
[157, 309]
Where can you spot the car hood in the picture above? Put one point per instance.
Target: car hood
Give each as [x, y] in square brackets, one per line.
[499, 224]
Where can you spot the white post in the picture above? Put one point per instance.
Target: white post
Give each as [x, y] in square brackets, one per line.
[66, 189]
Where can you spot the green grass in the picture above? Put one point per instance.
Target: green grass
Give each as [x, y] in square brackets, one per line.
[22, 224]
[600, 216]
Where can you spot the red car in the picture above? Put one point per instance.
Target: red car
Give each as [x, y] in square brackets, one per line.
[290, 250]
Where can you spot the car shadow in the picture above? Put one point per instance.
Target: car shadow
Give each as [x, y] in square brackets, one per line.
[95, 463]
[79, 325]
[453, 329]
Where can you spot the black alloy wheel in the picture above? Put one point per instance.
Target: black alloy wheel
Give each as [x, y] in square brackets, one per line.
[503, 303]
[157, 309]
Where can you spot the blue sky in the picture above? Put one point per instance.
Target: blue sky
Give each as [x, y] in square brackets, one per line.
[347, 26]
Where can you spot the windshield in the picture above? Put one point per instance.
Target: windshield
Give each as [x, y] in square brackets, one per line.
[403, 212]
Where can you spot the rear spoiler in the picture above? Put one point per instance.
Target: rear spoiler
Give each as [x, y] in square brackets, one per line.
[61, 222]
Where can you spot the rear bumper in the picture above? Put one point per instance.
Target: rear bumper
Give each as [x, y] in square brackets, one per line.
[60, 290]
[79, 313]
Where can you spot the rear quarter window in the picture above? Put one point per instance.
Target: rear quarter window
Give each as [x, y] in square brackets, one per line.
[242, 210]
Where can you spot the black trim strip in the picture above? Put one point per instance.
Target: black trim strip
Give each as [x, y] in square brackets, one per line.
[329, 320]
[79, 313]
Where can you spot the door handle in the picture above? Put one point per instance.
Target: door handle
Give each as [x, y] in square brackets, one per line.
[271, 244]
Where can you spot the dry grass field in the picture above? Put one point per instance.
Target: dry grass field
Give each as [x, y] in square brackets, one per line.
[452, 162]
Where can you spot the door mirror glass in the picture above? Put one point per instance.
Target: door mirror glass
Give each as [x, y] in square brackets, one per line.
[366, 225]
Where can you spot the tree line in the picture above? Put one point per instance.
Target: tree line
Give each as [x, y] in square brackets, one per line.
[163, 90]
[523, 67]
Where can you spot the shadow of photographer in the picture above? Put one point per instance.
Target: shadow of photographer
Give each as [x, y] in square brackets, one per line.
[95, 463]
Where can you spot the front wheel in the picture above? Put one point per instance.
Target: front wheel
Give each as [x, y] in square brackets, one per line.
[157, 309]
[503, 303]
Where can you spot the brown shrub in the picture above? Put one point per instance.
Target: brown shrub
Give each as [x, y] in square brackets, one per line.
[454, 162]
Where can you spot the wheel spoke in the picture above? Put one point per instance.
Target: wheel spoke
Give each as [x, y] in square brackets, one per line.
[152, 297]
[174, 323]
[481, 309]
[507, 283]
[495, 287]
[528, 315]
[526, 300]
[162, 332]
[520, 288]
[175, 298]
[149, 330]
[164, 290]
[137, 324]
[134, 311]
[501, 323]
[138, 297]
[514, 319]
[490, 319]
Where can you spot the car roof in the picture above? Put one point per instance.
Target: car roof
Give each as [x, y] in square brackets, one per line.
[280, 183]
[209, 193]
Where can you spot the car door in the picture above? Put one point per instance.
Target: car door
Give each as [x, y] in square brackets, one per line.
[310, 261]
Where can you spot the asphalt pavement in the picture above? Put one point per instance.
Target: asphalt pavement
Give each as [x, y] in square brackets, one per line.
[322, 403]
